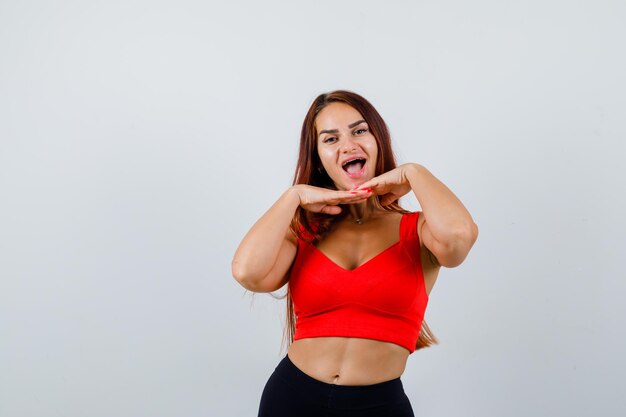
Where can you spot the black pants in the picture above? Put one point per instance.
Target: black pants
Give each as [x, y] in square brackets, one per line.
[290, 392]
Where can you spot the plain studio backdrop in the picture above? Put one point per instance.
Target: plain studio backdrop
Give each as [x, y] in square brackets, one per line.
[140, 141]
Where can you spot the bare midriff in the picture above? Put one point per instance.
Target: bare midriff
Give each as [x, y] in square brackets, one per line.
[348, 360]
[351, 360]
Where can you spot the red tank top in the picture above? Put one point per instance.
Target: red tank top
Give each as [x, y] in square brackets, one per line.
[383, 299]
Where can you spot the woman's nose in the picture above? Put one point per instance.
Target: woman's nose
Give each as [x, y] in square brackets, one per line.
[348, 146]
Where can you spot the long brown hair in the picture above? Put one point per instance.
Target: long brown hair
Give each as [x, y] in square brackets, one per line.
[314, 226]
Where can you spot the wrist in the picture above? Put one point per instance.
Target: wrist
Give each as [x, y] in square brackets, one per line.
[412, 172]
[294, 193]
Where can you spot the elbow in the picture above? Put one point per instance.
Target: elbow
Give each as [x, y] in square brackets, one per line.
[465, 236]
[243, 276]
[239, 271]
[458, 246]
[473, 233]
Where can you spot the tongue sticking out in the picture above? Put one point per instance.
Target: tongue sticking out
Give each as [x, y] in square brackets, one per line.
[354, 167]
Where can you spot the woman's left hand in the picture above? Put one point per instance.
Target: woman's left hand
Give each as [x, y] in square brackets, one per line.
[391, 185]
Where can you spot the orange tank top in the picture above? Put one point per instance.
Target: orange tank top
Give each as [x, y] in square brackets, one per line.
[383, 299]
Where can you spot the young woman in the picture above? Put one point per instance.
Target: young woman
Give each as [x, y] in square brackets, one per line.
[359, 267]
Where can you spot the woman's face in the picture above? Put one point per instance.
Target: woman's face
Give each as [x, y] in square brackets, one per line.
[345, 145]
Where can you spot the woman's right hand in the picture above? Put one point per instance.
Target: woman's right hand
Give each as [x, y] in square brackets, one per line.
[323, 200]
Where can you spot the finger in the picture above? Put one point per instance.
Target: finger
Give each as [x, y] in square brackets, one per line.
[360, 193]
[347, 195]
[334, 196]
[355, 191]
[363, 195]
[361, 200]
[368, 185]
[353, 200]
[377, 186]
[338, 197]
[331, 209]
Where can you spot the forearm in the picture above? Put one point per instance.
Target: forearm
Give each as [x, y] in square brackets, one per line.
[259, 249]
[447, 217]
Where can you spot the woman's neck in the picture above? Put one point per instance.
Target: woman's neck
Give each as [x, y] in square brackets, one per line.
[362, 212]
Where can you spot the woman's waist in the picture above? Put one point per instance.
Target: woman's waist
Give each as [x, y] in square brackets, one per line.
[348, 360]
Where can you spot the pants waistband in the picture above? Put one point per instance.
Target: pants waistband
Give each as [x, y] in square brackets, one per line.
[381, 388]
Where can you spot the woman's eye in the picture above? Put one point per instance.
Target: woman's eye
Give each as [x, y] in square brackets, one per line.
[329, 139]
[360, 131]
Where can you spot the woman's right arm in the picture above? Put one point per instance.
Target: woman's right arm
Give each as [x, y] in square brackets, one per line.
[264, 255]
[267, 251]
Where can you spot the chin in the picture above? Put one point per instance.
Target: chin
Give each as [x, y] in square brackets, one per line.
[346, 183]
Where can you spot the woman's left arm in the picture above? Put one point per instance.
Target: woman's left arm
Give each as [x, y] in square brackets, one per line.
[446, 227]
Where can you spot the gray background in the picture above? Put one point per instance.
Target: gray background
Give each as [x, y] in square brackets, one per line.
[140, 140]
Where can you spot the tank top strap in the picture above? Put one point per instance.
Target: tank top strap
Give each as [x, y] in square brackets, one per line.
[408, 225]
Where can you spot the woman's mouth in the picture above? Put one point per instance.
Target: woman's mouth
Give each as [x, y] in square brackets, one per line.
[355, 168]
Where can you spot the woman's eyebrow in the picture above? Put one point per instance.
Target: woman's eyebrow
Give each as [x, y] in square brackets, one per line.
[350, 126]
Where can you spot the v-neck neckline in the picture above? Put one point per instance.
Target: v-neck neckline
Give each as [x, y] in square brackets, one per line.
[378, 255]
